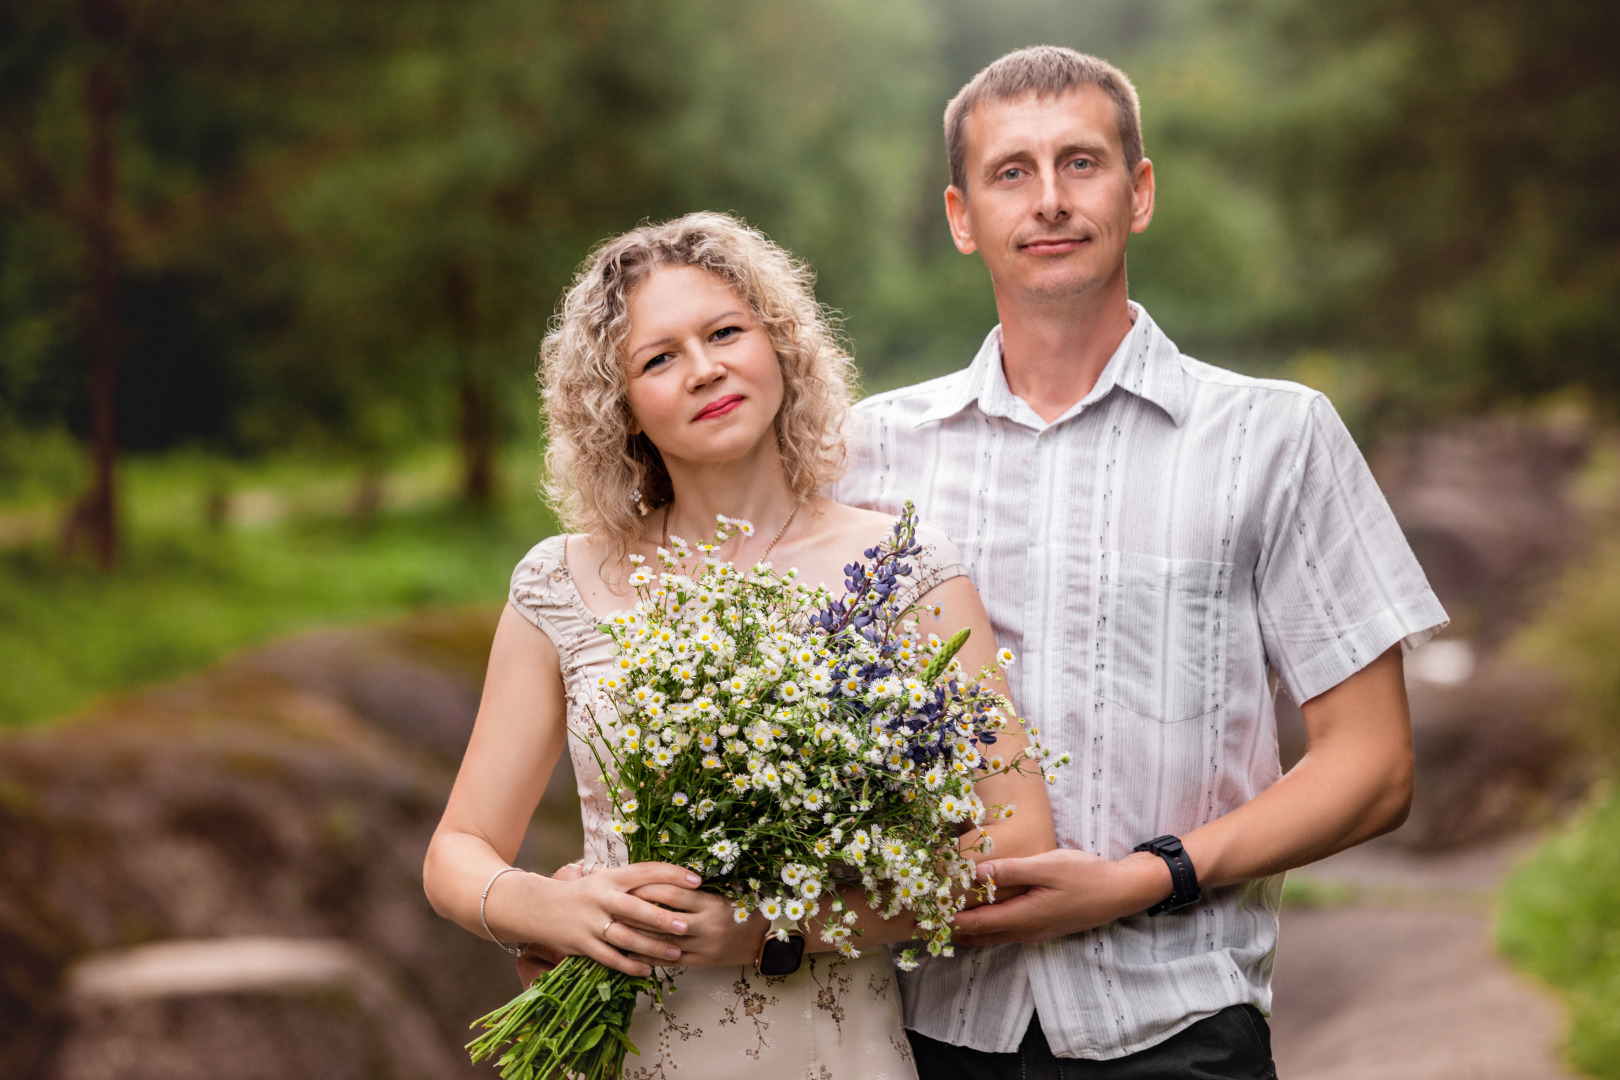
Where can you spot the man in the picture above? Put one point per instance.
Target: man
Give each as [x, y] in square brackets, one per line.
[1156, 539]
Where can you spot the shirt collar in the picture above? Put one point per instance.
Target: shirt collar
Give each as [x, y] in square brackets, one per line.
[1146, 364]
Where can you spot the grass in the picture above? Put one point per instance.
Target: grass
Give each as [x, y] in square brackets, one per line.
[1560, 921]
[1301, 892]
[186, 594]
[1561, 910]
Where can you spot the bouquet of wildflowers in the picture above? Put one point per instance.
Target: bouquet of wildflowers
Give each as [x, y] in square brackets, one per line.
[783, 743]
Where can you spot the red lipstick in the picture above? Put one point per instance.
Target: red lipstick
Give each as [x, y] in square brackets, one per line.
[718, 407]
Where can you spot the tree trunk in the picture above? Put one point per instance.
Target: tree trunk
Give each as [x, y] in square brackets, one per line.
[101, 325]
[475, 400]
[477, 429]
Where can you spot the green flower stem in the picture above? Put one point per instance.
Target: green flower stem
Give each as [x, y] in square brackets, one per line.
[571, 1020]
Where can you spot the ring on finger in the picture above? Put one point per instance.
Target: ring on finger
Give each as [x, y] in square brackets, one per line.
[605, 928]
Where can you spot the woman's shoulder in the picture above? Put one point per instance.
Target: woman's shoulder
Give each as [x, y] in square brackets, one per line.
[545, 558]
[938, 553]
[874, 522]
[542, 588]
[935, 543]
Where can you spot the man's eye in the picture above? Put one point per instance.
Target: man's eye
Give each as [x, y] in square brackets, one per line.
[1080, 164]
[1011, 174]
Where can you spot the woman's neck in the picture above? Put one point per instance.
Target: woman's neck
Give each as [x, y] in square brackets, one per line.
[754, 489]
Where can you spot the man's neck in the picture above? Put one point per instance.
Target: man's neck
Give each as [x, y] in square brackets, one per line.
[1053, 352]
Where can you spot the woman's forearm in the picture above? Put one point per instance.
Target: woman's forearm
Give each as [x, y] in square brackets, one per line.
[457, 871]
[1026, 835]
[868, 929]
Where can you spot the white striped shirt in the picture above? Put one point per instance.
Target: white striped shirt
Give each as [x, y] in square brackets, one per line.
[1148, 557]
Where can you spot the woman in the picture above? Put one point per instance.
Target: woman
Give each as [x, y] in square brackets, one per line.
[689, 374]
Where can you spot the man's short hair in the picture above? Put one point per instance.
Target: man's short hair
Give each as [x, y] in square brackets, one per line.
[1046, 71]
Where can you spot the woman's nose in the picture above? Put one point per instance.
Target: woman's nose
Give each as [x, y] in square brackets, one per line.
[705, 369]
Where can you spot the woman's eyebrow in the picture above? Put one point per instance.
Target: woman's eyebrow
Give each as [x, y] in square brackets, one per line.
[658, 343]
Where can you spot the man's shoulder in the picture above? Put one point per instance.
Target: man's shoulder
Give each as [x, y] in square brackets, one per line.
[1283, 418]
[1235, 382]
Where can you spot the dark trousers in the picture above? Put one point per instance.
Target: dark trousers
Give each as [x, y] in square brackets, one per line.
[1234, 1044]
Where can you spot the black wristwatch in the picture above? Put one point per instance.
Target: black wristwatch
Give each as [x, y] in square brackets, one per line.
[778, 957]
[1183, 881]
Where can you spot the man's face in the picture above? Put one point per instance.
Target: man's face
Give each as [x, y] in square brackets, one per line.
[1049, 203]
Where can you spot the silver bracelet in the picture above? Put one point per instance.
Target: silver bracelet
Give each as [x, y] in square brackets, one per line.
[515, 950]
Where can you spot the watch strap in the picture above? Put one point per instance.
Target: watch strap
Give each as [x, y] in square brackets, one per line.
[1184, 891]
[781, 950]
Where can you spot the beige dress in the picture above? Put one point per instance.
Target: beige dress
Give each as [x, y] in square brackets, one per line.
[832, 1019]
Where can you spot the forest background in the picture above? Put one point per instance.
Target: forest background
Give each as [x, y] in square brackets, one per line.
[272, 276]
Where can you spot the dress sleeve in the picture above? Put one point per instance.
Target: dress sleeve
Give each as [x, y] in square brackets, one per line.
[538, 591]
[1337, 582]
[938, 563]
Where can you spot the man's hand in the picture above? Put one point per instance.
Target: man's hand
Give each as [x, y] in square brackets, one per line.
[1354, 783]
[1065, 892]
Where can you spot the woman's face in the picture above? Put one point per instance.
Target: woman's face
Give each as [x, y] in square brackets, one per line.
[704, 381]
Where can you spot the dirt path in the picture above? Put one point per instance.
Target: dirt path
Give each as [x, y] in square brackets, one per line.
[1397, 979]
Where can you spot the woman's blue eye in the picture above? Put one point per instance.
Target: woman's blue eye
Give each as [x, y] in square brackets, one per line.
[726, 332]
[656, 361]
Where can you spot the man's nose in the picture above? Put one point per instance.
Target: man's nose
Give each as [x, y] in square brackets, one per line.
[1051, 205]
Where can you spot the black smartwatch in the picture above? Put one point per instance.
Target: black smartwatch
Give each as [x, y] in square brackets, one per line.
[1183, 881]
[777, 957]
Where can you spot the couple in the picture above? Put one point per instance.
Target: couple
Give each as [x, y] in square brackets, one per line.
[1156, 539]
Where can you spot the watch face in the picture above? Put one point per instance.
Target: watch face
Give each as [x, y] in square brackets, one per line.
[781, 957]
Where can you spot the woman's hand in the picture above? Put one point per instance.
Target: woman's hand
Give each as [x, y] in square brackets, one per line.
[713, 937]
[601, 916]
[537, 959]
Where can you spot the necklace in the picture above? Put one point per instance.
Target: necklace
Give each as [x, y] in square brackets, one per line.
[664, 531]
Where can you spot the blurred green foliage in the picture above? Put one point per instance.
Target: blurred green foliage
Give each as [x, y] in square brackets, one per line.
[1560, 920]
[188, 594]
[1575, 635]
[340, 229]
[1447, 175]
[344, 227]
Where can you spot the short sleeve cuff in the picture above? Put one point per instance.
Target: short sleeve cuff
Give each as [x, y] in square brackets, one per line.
[1411, 622]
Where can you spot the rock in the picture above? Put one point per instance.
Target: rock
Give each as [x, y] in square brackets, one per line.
[288, 793]
[242, 1009]
[1486, 504]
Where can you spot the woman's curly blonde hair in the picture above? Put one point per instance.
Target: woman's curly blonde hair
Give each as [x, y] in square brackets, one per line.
[600, 478]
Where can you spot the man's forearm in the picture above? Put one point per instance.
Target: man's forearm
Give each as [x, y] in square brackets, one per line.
[1354, 783]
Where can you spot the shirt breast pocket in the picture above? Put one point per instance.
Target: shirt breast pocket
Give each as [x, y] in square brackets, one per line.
[1162, 635]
